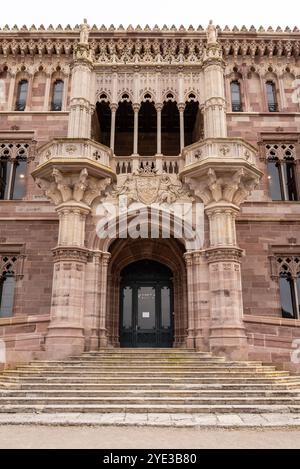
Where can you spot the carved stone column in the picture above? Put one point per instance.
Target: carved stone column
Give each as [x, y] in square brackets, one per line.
[158, 111]
[81, 85]
[73, 191]
[181, 108]
[113, 108]
[222, 198]
[214, 109]
[222, 173]
[198, 314]
[136, 108]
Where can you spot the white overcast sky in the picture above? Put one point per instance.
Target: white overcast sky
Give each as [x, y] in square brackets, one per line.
[186, 12]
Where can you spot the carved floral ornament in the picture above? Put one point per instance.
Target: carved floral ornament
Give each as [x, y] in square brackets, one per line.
[147, 186]
[81, 187]
[234, 190]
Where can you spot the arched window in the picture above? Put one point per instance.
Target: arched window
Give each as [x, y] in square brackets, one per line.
[57, 95]
[147, 128]
[13, 169]
[236, 98]
[124, 127]
[193, 122]
[7, 286]
[289, 284]
[272, 96]
[281, 172]
[170, 127]
[21, 95]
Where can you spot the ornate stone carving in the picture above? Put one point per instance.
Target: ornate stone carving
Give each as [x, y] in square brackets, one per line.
[234, 189]
[70, 254]
[225, 255]
[62, 188]
[148, 187]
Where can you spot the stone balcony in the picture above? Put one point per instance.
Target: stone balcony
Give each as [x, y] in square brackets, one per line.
[222, 150]
[221, 169]
[71, 155]
[161, 163]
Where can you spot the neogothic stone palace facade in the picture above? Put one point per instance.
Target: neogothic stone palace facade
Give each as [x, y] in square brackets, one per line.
[210, 117]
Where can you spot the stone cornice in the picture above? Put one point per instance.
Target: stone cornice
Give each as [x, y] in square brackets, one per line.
[120, 44]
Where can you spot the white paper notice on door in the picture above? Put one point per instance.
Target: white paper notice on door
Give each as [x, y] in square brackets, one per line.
[146, 315]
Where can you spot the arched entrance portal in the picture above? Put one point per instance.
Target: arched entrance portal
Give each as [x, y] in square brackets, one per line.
[146, 305]
[146, 261]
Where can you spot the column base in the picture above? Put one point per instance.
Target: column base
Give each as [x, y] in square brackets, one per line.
[63, 342]
[230, 342]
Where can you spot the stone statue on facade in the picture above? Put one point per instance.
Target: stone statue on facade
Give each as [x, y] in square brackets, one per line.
[211, 33]
[84, 32]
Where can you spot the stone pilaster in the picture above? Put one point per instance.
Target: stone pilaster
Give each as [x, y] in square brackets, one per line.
[81, 107]
[198, 305]
[214, 109]
[73, 194]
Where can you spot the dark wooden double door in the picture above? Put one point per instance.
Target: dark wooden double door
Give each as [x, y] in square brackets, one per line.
[146, 316]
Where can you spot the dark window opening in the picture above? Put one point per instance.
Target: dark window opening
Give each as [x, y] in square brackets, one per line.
[271, 96]
[192, 123]
[282, 179]
[290, 179]
[13, 179]
[236, 100]
[147, 140]
[57, 97]
[124, 129]
[288, 296]
[104, 120]
[170, 123]
[21, 95]
[7, 289]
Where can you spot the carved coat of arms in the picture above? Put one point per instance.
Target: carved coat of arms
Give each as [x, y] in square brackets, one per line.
[148, 187]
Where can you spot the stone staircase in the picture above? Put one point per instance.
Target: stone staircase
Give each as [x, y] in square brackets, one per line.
[148, 381]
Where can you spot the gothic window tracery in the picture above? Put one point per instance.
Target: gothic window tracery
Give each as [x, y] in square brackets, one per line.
[22, 92]
[7, 284]
[288, 272]
[57, 95]
[236, 97]
[272, 96]
[281, 160]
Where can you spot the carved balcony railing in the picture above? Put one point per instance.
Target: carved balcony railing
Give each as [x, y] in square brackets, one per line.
[225, 149]
[66, 148]
[130, 164]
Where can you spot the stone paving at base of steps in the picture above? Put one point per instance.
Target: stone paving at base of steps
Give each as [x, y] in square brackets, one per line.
[269, 420]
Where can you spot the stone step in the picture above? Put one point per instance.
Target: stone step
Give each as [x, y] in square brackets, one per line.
[152, 363]
[146, 393]
[154, 409]
[168, 400]
[151, 380]
[145, 373]
[78, 387]
[150, 368]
